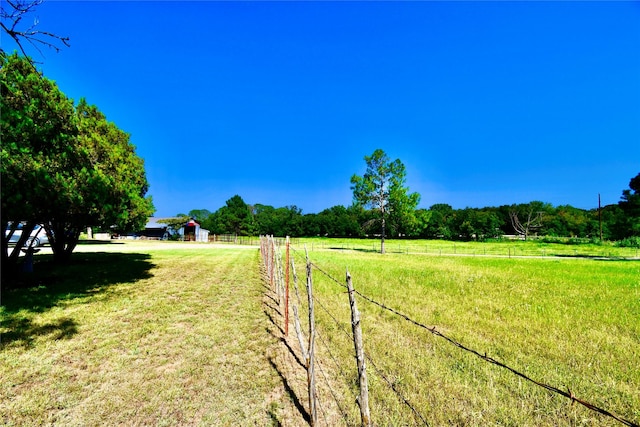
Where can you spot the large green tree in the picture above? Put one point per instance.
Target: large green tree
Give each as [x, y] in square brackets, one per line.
[64, 167]
[234, 218]
[108, 189]
[382, 187]
[38, 130]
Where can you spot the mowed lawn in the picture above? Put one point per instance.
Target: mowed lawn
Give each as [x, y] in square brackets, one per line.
[157, 337]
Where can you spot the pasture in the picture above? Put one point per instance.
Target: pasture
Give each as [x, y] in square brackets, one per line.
[549, 247]
[568, 322]
[146, 334]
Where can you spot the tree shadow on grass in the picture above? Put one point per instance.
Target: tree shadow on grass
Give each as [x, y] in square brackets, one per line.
[23, 331]
[50, 285]
[365, 250]
[99, 242]
[597, 257]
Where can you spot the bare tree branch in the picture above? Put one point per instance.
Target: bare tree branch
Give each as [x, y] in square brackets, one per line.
[11, 14]
[531, 224]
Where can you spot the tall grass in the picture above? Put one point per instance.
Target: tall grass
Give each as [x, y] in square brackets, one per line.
[572, 323]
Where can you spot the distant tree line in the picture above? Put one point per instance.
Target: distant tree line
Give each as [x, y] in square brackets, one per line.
[382, 206]
[440, 221]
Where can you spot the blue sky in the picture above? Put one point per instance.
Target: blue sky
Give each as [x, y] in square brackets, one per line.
[486, 103]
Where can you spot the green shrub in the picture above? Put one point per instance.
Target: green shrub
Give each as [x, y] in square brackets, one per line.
[629, 242]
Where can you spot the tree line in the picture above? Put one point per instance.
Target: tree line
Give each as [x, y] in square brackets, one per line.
[441, 221]
[382, 206]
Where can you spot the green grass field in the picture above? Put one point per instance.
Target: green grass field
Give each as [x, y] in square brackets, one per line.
[498, 248]
[189, 334]
[571, 323]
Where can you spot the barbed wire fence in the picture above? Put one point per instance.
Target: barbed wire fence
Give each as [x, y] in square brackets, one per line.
[506, 249]
[344, 385]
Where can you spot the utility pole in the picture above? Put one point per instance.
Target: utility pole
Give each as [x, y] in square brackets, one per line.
[600, 216]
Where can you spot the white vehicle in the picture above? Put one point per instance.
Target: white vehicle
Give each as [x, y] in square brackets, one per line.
[38, 236]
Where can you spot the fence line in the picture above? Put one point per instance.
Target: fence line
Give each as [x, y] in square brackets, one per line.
[568, 394]
[363, 403]
[311, 298]
[492, 249]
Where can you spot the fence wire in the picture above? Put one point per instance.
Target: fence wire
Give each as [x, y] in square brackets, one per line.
[483, 356]
[568, 394]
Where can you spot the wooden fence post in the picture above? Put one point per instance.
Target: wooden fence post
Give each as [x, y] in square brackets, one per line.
[286, 295]
[311, 381]
[363, 399]
[278, 281]
[300, 335]
[296, 317]
[272, 258]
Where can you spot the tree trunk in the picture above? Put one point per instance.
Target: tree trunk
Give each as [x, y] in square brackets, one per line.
[10, 256]
[63, 241]
[382, 239]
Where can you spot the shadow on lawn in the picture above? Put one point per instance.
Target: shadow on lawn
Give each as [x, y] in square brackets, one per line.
[388, 250]
[597, 257]
[285, 371]
[50, 285]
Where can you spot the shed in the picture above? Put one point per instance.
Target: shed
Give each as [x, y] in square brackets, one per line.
[155, 230]
[192, 232]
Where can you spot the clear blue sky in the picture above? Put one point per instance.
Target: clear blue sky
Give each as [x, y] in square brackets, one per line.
[486, 103]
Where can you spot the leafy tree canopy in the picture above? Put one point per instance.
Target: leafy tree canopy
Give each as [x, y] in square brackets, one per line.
[234, 218]
[62, 166]
[630, 204]
[382, 187]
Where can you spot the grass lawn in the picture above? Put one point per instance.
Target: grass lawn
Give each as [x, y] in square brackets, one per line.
[156, 337]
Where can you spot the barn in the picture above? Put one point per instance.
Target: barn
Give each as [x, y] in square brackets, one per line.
[158, 229]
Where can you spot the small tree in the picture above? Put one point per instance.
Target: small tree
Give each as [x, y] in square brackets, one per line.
[382, 188]
[174, 224]
[531, 214]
